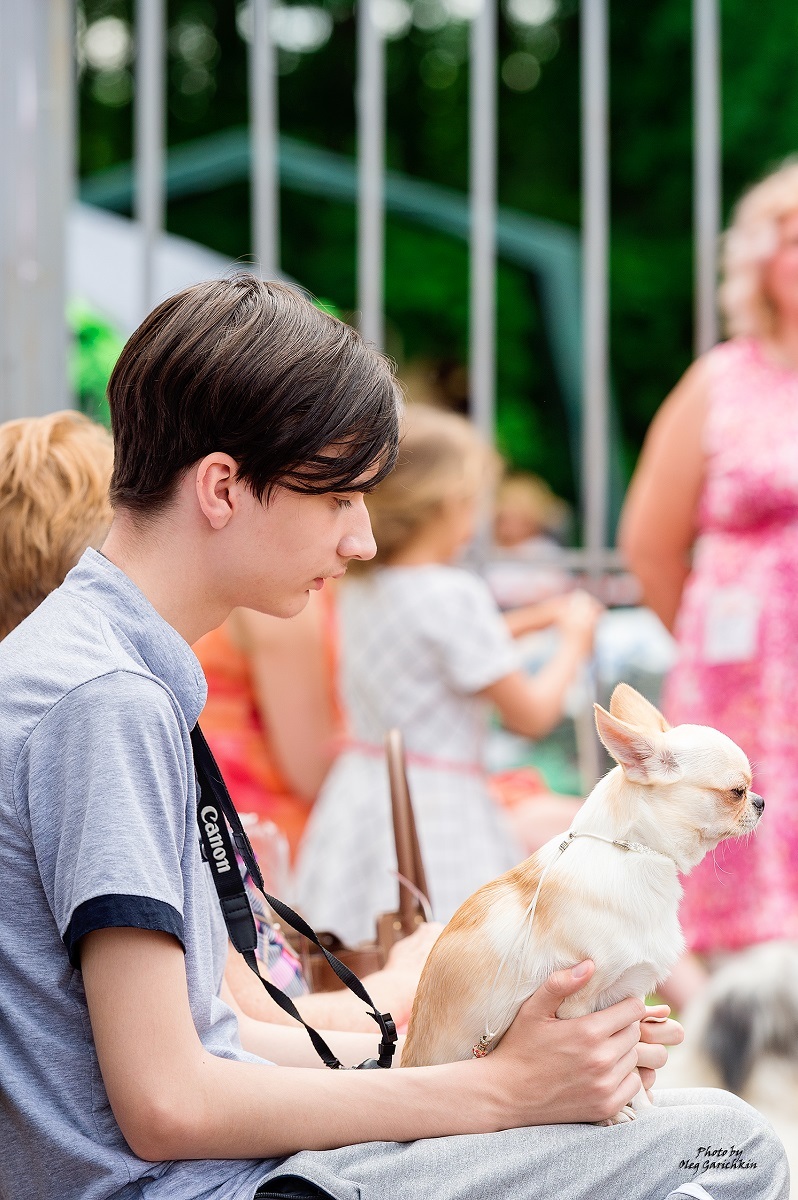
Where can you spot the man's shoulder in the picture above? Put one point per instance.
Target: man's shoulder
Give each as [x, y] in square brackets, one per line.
[68, 656]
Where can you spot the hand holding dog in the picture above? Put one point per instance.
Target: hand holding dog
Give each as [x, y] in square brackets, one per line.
[585, 1069]
[657, 1030]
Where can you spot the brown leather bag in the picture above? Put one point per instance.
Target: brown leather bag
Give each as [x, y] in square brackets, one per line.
[368, 957]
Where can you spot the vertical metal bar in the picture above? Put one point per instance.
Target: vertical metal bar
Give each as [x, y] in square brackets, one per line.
[371, 174]
[36, 142]
[595, 241]
[706, 168]
[482, 185]
[264, 126]
[149, 138]
[594, 53]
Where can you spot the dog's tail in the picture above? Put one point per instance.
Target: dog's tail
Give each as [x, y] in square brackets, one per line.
[750, 1010]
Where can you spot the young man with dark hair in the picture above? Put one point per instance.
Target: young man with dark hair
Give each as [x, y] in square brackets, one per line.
[247, 428]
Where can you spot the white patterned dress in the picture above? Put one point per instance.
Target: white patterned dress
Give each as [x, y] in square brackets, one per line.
[417, 643]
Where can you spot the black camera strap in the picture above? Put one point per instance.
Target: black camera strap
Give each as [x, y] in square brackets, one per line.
[218, 820]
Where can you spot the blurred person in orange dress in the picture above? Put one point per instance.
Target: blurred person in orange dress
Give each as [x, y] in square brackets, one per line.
[273, 717]
[710, 528]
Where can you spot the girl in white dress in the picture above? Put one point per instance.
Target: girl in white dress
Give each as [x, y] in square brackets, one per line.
[425, 648]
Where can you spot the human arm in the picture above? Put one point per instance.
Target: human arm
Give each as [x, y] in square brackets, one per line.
[173, 1099]
[658, 523]
[392, 989]
[287, 1043]
[532, 706]
[657, 1031]
[290, 675]
[532, 617]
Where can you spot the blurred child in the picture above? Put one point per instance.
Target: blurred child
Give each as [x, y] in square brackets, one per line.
[529, 519]
[526, 562]
[425, 648]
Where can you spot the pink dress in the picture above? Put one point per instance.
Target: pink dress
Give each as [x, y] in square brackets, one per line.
[737, 630]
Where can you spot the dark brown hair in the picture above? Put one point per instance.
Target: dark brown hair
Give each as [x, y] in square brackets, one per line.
[253, 369]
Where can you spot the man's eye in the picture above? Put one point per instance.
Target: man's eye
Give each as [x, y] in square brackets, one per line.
[343, 501]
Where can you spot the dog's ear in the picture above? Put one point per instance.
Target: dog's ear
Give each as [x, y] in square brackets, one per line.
[628, 705]
[641, 754]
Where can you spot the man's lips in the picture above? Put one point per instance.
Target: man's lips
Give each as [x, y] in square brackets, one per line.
[319, 581]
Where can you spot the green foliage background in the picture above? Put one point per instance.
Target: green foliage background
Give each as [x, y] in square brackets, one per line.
[426, 275]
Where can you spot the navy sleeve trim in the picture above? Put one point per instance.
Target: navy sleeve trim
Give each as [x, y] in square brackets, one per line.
[118, 911]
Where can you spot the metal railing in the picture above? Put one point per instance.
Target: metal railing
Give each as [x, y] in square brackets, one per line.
[35, 141]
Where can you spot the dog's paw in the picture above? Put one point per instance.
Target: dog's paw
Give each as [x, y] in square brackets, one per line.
[623, 1117]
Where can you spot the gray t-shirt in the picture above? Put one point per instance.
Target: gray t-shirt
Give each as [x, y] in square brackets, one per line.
[97, 828]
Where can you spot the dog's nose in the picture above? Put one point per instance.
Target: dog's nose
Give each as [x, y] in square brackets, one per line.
[757, 801]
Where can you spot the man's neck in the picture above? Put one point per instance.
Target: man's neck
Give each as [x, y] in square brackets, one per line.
[168, 571]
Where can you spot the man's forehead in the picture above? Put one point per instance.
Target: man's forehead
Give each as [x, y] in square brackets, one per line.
[365, 482]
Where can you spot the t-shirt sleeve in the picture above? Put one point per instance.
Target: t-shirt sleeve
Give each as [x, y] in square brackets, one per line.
[106, 778]
[471, 638]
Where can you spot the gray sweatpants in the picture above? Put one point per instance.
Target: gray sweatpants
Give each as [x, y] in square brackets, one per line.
[695, 1143]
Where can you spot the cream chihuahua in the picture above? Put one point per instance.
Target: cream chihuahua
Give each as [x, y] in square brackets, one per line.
[608, 890]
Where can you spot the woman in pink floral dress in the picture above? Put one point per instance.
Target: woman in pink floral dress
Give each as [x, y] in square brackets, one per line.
[718, 480]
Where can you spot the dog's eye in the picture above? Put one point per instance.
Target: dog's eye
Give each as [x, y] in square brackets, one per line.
[739, 792]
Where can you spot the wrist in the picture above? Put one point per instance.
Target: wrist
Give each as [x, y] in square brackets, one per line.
[577, 645]
[482, 1105]
[392, 991]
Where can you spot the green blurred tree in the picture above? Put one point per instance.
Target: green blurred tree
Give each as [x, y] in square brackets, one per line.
[94, 348]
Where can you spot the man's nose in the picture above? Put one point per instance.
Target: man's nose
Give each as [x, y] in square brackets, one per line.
[358, 541]
[757, 801]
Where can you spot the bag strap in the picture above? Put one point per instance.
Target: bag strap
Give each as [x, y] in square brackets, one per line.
[217, 819]
[408, 851]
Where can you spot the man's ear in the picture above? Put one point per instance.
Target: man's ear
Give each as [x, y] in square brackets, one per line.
[216, 483]
[641, 754]
[628, 705]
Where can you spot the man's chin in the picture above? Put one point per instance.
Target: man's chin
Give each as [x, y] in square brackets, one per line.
[296, 604]
[284, 607]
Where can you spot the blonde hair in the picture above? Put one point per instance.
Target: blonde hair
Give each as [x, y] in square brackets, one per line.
[748, 244]
[531, 498]
[54, 477]
[441, 457]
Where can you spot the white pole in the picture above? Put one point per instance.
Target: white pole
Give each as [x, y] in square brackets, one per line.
[371, 174]
[595, 359]
[482, 319]
[36, 183]
[706, 169]
[595, 240]
[264, 141]
[149, 138]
